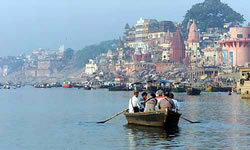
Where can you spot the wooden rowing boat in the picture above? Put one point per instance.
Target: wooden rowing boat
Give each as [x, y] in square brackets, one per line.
[179, 90]
[119, 88]
[193, 91]
[163, 119]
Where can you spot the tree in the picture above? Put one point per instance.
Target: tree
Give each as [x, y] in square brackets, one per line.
[68, 53]
[92, 51]
[211, 14]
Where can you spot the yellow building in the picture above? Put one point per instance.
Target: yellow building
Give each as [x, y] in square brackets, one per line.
[243, 86]
[142, 29]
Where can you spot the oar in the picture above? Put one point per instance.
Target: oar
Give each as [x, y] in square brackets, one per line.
[190, 120]
[113, 116]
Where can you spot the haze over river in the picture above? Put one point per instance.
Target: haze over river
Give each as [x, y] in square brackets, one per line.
[64, 119]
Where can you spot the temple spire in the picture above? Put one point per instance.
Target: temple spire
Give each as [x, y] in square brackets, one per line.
[193, 35]
[168, 38]
[177, 48]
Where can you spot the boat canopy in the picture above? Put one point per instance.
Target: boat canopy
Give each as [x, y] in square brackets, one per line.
[136, 83]
[164, 81]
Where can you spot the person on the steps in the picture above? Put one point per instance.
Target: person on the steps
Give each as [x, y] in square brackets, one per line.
[150, 103]
[134, 103]
[142, 101]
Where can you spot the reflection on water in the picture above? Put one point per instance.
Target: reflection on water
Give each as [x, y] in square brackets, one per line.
[140, 136]
[224, 125]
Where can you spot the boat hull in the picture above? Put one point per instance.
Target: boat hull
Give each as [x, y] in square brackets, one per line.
[179, 90]
[154, 119]
[66, 86]
[119, 89]
[87, 88]
[193, 91]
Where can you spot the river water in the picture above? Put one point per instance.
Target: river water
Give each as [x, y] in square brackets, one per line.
[64, 119]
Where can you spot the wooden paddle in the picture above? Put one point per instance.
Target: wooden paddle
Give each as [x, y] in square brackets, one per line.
[190, 120]
[113, 116]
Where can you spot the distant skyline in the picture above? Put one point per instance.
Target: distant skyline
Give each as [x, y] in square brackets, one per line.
[31, 24]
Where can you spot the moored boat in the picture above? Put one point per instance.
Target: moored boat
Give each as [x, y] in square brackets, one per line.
[193, 91]
[210, 89]
[164, 119]
[45, 85]
[218, 89]
[67, 85]
[179, 90]
[87, 88]
[119, 88]
[56, 84]
[18, 86]
[6, 86]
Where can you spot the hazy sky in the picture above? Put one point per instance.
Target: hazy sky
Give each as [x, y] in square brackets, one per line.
[30, 24]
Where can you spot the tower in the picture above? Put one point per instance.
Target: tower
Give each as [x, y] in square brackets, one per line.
[193, 43]
[237, 47]
[193, 35]
[177, 48]
[168, 38]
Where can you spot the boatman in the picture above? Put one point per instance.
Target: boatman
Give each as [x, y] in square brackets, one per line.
[177, 105]
[133, 105]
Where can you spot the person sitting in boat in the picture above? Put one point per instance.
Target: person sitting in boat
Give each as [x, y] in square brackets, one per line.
[160, 96]
[134, 103]
[177, 105]
[142, 101]
[165, 103]
[150, 103]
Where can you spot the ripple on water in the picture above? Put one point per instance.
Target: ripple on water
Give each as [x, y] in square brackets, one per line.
[66, 119]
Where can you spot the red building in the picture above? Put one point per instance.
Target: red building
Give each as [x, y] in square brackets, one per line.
[177, 51]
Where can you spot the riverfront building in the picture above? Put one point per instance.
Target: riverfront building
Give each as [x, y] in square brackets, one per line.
[177, 51]
[193, 43]
[236, 46]
[91, 67]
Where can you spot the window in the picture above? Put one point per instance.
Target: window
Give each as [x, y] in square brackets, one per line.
[239, 36]
[249, 36]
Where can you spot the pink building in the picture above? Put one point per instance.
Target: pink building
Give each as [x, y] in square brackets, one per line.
[237, 46]
[193, 35]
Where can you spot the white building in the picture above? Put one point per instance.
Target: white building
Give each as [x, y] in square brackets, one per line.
[165, 55]
[91, 67]
[142, 48]
[139, 30]
[213, 56]
[5, 70]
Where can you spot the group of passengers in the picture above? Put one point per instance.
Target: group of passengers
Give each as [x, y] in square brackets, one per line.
[153, 102]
